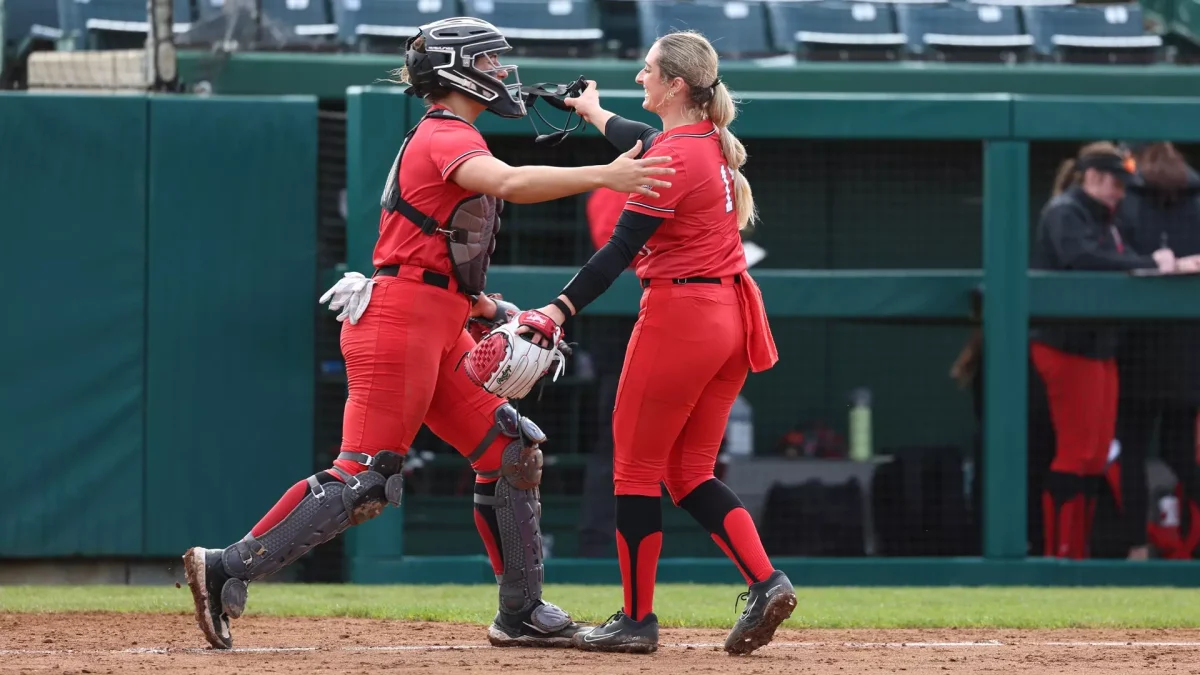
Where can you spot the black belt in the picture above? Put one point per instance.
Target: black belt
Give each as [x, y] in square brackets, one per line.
[428, 276]
[737, 279]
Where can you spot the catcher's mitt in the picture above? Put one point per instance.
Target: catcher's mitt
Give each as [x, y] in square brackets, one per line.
[508, 365]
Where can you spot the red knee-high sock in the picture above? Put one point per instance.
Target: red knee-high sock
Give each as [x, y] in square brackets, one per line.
[639, 543]
[488, 526]
[287, 503]
[719, 511]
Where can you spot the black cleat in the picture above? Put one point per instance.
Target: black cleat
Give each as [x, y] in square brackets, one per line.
[545, 625]
[217, 596]
[620, 634]
[769, 603]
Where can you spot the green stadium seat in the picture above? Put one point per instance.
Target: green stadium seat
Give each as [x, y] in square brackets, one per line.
[736, 28]
[543, 27]
[835, 29]
[367, 23]
[284, 22]
[1092, 34]
[963, 32]
[106, 24]
[24, 19]
[28, 26]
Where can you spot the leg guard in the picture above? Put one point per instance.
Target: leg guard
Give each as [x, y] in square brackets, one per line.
[329, 508]
[518, 509]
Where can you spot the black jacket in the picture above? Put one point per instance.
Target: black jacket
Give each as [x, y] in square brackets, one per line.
[1078, 233]
[1161, 359]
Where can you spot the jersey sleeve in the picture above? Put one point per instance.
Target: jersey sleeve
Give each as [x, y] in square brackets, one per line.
[453, 144]
[662, 206]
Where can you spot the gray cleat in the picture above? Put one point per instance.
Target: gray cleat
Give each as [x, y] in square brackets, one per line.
[769, 603]
[545, 625]
[620, 634]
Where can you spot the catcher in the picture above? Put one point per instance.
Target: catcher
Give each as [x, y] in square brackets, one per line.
[404, 335]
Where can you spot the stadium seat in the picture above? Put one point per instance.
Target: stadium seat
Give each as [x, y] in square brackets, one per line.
[736, 28]
[24, 19]
[28, 26]
[283, 22]
[963, 32]
[371, 23]
[107, 24]
[824, 30]
[1092, 34]
[544, 27]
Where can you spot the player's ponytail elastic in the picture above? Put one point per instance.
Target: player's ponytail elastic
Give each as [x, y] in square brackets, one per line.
[721, 112]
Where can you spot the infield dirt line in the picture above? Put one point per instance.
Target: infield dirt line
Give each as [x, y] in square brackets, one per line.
[678, 645]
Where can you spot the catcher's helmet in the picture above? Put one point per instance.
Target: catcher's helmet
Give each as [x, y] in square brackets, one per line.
[451, 46]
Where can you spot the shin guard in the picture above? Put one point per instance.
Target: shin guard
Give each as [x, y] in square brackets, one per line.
[328, 508]
[517, 509]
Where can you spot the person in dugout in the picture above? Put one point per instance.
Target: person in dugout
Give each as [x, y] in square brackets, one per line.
[404, 332]
[1159, 361]
[1076, 232]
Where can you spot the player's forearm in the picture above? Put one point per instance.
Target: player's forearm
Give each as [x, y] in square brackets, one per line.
[594, 278]
[533, 184]
[600, 119]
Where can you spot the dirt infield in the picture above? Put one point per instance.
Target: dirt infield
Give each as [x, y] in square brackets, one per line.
[121, 643]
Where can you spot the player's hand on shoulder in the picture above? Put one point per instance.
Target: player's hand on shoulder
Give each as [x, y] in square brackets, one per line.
[626, 173]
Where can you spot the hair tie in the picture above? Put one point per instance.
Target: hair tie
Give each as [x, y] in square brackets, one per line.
[715, 83]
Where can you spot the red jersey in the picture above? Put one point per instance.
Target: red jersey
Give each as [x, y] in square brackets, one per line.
[699, 236]
[438, 147]
[604, 208]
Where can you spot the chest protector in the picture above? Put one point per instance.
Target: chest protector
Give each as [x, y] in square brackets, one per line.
[470, 231]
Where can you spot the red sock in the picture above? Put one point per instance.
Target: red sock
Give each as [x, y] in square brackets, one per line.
[488, 526]
[286, 504]
[719, 511]
[639, 543]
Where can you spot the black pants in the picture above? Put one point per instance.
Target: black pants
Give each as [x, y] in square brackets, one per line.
[1136, 421]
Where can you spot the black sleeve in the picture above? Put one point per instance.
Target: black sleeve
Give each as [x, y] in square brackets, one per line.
[631, 234]
[623, 133]
[1077, 245]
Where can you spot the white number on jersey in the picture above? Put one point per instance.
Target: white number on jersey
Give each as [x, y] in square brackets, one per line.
[727, 179]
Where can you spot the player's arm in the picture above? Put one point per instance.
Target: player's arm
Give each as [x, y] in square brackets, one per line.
[639, 221]
[594, 278]
[624, 134]
[532, 184]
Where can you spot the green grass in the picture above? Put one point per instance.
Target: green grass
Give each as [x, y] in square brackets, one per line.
[676, 604]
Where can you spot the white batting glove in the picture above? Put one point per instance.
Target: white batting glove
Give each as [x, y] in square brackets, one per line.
[351, 294]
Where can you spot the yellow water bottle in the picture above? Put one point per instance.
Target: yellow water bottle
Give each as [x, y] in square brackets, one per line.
[860, 425]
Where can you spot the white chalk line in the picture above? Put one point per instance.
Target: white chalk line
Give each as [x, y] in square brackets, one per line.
[677, 645]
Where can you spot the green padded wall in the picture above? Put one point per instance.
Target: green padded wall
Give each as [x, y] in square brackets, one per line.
[231, 313]
[73, 223]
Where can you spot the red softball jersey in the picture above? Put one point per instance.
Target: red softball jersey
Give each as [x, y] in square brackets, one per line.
[439, 146]
[699, 236]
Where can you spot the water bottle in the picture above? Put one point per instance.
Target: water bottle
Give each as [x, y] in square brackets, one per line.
[739, 431]
[860, 425]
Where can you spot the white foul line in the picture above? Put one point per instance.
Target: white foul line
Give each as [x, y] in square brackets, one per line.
[679, 645]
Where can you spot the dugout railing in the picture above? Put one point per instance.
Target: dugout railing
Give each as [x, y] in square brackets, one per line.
[1005, 126]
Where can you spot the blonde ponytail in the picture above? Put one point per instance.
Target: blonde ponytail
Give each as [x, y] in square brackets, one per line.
[721, 112]
[689, 55]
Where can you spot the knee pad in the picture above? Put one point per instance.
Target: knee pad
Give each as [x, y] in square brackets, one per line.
[521, 459]
[368, 492]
